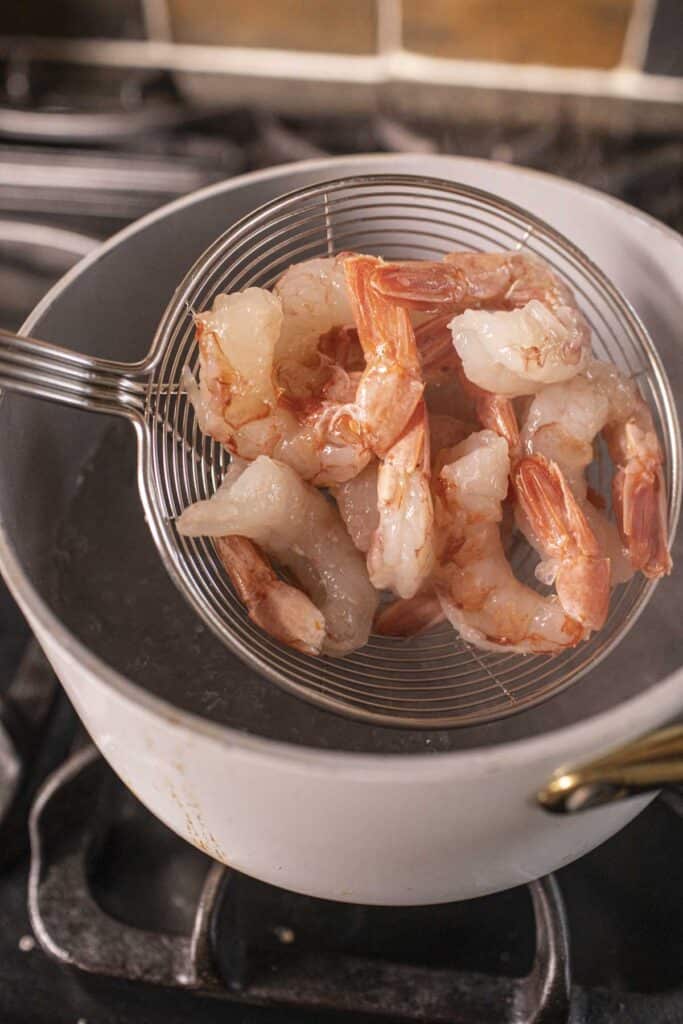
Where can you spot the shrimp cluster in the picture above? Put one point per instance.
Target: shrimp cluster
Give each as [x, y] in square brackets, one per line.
[392, 424]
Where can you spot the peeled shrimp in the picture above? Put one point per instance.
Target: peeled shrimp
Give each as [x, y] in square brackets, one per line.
[280, 609]
[494, 412]
[638, 486]
[388, 511]
[401, 552]
[518, 324]
[295, 524]
[478, 591]
[561, 424]
[391, 384]
[236, 396]
[579, 570]
[315, 300]
[238, 403]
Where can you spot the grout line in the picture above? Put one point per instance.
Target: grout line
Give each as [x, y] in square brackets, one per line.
[157, 20]
[389, 15]
[637, 36]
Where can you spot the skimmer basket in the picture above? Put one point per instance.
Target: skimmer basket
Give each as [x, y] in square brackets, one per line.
[435, 680]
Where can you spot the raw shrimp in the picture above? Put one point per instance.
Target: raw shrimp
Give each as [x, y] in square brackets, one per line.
[478, 591]
[410, 616]
[315, 300]
[479, 280]
[325, 445]
[638, 486]
[238, 403]
[401, 553]
[516, 352]
[236, 396]
[388, 511]
[277, 607]
[295, 524]
[579, 570]
[357, 502]
[518, 325]
[494, 412]
[391, 384]
[562, 423]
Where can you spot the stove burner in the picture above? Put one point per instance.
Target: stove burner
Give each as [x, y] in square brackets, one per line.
[231, 953]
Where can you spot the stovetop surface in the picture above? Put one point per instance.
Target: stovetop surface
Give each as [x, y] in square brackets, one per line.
[623, 902]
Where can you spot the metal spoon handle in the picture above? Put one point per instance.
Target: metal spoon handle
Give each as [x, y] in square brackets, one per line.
[43, 370]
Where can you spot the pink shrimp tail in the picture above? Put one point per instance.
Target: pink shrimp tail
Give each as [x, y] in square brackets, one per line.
[277, 607]
[391, 385]
[583, 576]
[417, 285]
[435, 343]
[639, 496]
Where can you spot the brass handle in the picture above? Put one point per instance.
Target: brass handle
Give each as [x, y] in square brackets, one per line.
[648, 764]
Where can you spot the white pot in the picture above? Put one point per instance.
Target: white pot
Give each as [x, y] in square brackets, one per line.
[369, 828]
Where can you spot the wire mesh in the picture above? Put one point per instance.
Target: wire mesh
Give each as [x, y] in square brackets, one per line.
[435, 680]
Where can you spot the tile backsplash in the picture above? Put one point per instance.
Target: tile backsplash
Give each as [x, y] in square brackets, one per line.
[568, 33]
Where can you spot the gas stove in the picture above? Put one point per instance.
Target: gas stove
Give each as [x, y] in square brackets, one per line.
[106, 915]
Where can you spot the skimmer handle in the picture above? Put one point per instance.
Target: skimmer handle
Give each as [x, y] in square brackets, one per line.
[43, 370]
[647, 765]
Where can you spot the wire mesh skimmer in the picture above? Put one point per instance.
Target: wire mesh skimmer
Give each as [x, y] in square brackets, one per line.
[434, 680]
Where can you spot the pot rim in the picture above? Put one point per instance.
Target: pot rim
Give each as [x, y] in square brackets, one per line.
[635, 714]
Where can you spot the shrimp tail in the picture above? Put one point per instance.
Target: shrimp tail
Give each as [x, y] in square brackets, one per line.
[497, 413]
[280, 609]
[391, 385]
[418, 285]
[639, 498]
[410, 616]
[582, 579]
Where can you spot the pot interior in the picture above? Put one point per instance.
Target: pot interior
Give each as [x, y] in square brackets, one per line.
[70, 507]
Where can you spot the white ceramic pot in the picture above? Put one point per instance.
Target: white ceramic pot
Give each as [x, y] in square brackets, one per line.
[366, 827]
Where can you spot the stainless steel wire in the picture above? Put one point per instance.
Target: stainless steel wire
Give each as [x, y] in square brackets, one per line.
[434, 680]
[431, 681]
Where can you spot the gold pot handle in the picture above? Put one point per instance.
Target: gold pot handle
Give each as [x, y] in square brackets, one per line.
[647, 765]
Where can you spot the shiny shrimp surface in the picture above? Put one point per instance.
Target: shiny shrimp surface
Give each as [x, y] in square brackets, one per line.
[562, 423]
[439, 402]
[638, 486]
[295, 524]
[515, 324]
[239, 402]
[478, 591]
[401, 552]
[277, 607]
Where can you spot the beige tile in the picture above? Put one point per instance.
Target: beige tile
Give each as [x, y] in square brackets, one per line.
[587, 33]
[337, 26]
